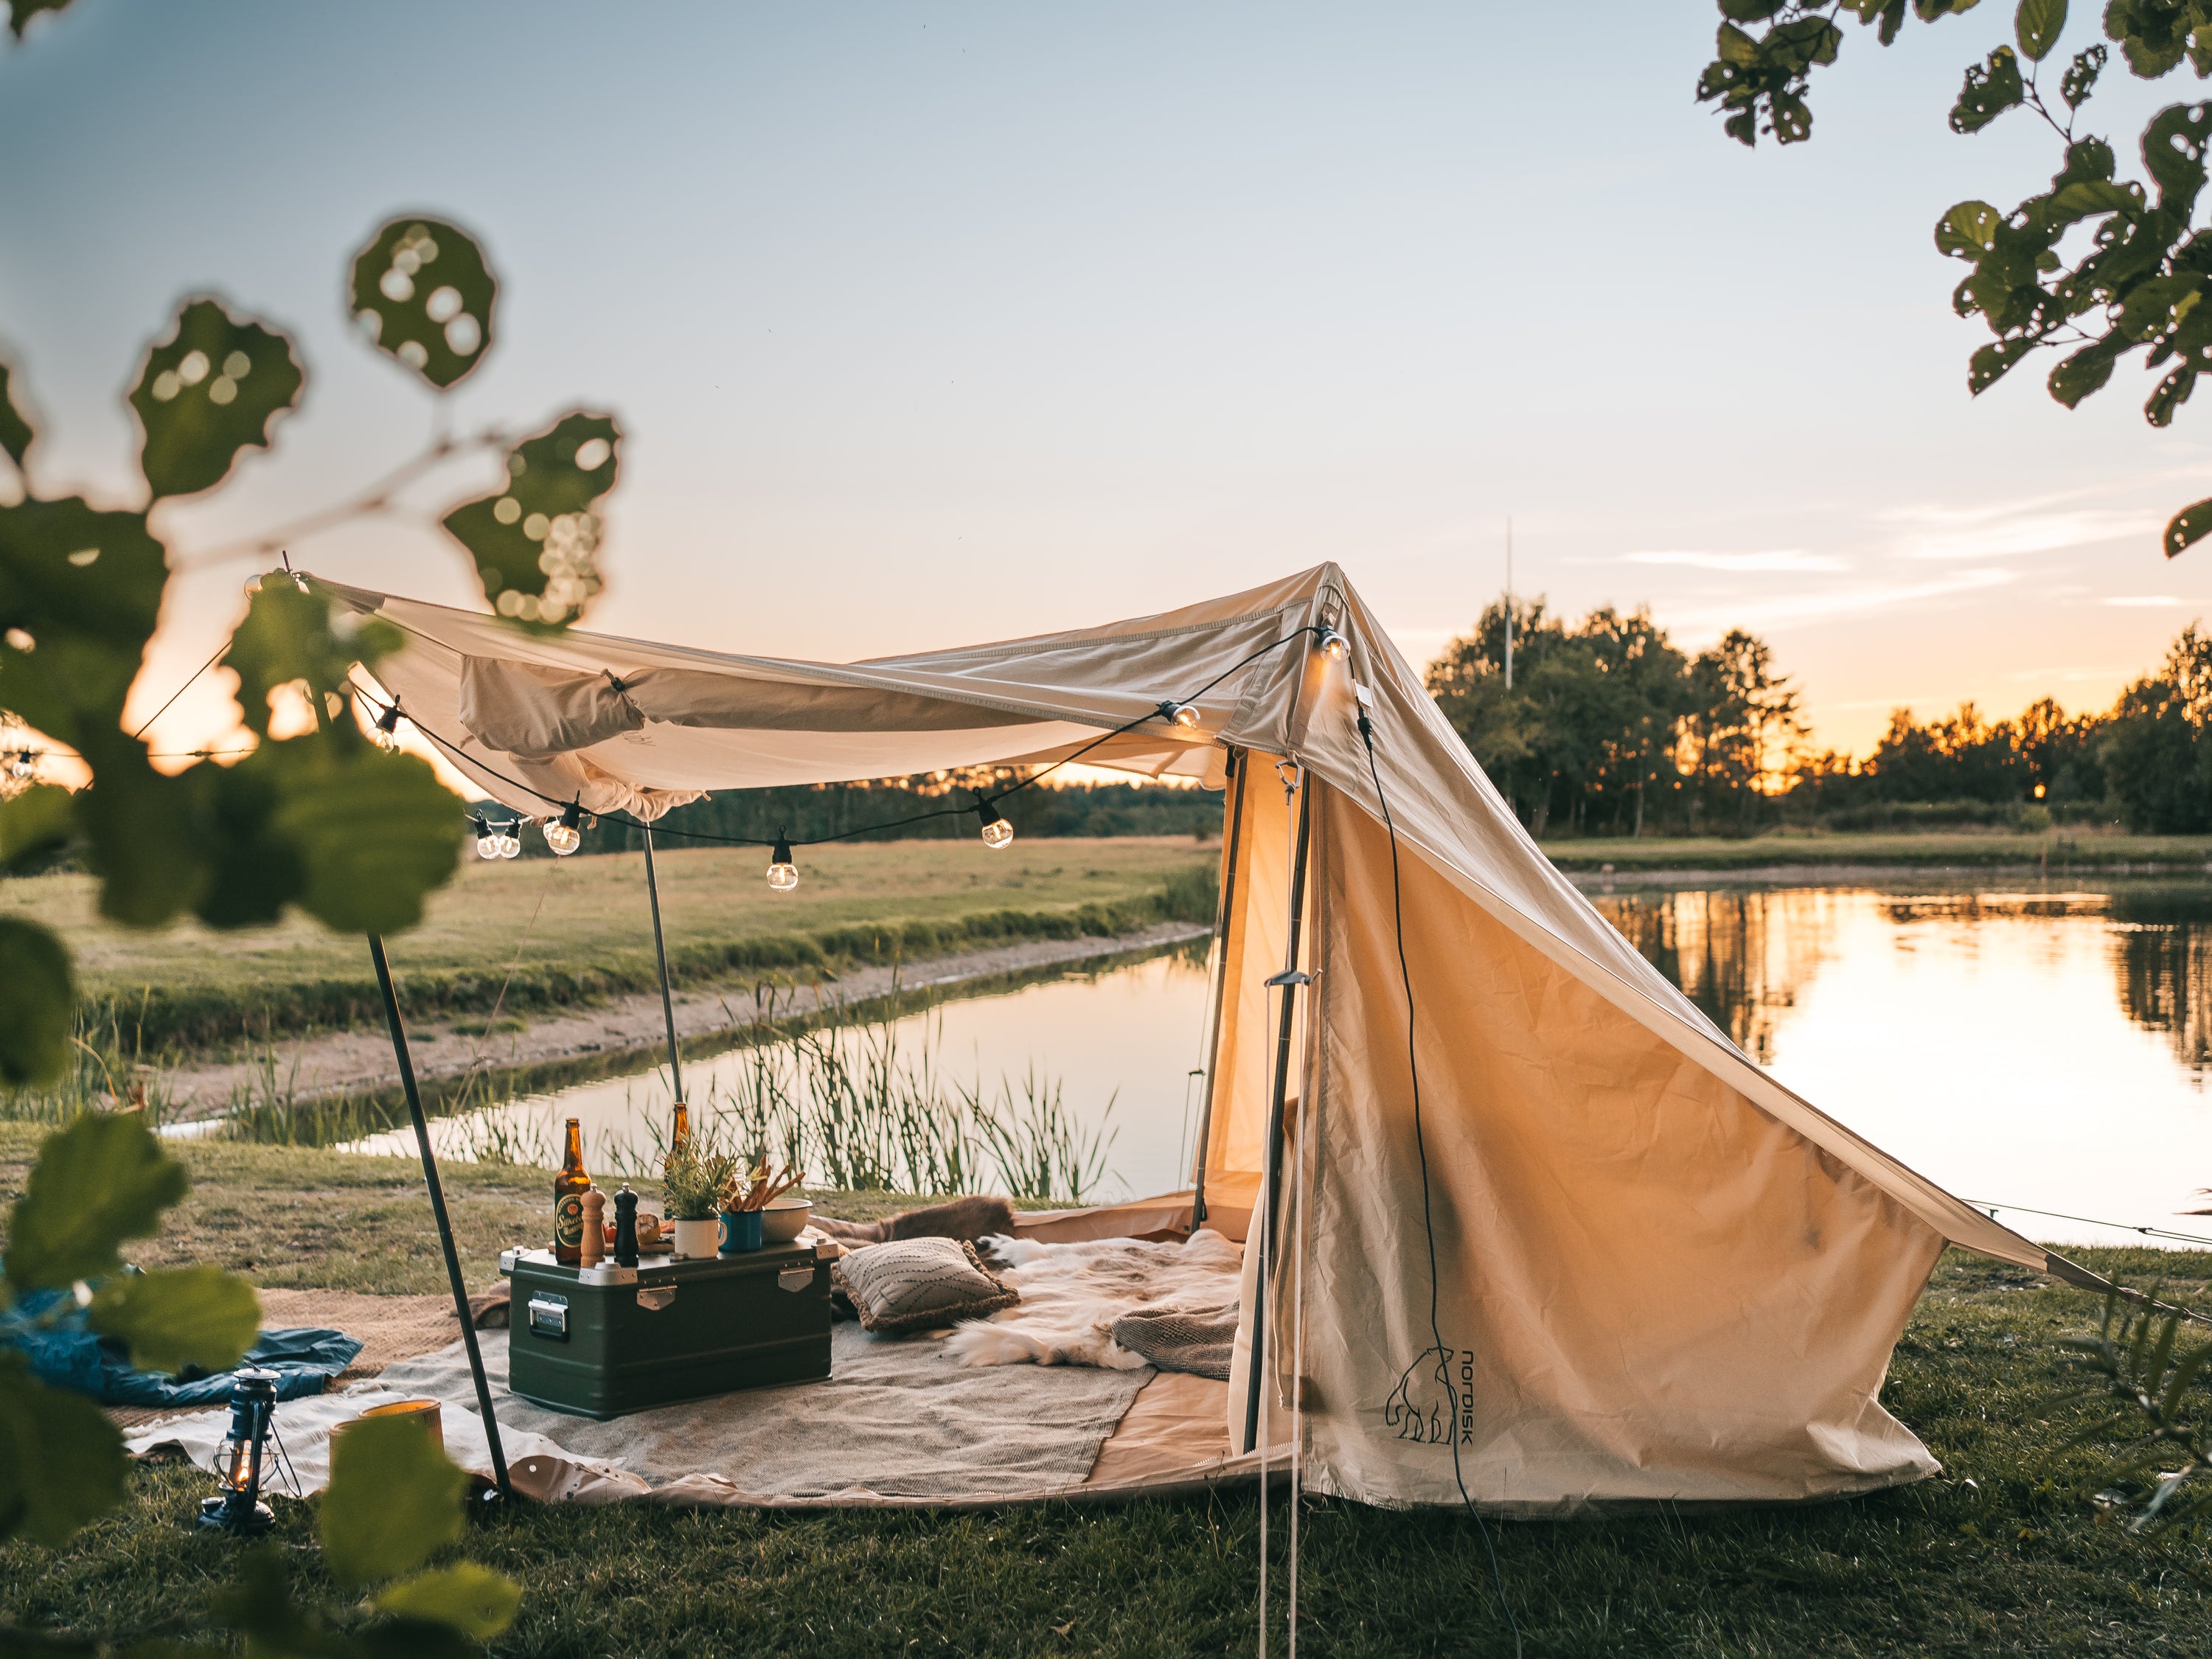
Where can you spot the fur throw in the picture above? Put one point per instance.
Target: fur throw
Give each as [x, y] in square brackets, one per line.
[1072, 1294]
[968, 1218]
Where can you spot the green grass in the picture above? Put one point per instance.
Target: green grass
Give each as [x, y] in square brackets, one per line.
[576, 929]
[2004, 1555]
[2057, 850]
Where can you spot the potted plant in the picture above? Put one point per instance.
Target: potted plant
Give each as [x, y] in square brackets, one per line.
[692, 1178]
[744, 1195]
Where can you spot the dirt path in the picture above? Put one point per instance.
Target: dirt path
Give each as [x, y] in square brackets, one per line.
[343, 1061]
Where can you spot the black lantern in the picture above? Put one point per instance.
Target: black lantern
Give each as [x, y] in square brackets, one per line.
[237, 1506]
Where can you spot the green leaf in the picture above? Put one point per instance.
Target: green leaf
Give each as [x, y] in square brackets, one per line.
[375, 833]
[178, 1316]
[394, 1498]
[2169, 395]
[61, 1461]
[21, 12]
[1967, 229]
[34, 824]
[2036, 26]
[80, 592]
[2187, 527]
[253, 868]
[16, 433]
[259, 1605]
[2086, 371]
[536, 543]
[2080, 201]
[1990, 89]
[473, 1600]
[209, 390]
[2173, 150]
[1735, 47]
[1750, 11]
[139, 835]
[103, 1179]
[1991, 363]
[2081, 77]
[288, 637]
[37, 993]
[422, 292]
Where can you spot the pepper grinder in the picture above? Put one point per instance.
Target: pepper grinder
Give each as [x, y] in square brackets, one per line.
[592, 1247]
[625, 1228]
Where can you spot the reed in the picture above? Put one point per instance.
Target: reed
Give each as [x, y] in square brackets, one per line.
[109, 1070]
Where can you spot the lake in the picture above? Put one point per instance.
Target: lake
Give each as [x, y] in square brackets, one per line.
[2027, 1046]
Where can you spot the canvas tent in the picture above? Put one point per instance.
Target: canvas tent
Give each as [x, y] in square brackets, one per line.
[1657, 1274]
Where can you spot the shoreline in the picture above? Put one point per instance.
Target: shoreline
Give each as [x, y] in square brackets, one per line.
[1830, 874]
[626, 1032]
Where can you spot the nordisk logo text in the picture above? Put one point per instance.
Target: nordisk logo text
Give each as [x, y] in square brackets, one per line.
[1434, 1398]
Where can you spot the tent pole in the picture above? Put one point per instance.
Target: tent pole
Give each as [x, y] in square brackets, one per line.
[1237, 767]
[1267, 1239]
[438, 1209]
[660, 954]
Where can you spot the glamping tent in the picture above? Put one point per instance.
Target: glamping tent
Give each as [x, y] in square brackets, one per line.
[1541, 1234]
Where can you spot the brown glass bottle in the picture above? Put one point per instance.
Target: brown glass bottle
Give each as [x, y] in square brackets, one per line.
[568, 1189]
[680, 1131]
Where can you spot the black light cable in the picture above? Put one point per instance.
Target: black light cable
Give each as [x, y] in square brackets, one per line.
[1428, 1217]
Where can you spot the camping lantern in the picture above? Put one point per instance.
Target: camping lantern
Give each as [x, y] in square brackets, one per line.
[782, 873]
[237, 1505]
[562, 834]
[997, 832]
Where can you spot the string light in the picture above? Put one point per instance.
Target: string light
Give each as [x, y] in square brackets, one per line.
[997, 832]
[510, 844]
[387, 727]
[1333, 645]
[486, 843]
[562, 834]
[1179, 713]
[782, 873]
[21, 764]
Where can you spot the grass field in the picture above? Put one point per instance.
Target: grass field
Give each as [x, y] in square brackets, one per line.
[2003, 1555]
[2057, 850]
[573, 929]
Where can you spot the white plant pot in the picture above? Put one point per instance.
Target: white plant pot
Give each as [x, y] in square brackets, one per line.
[695, 1239]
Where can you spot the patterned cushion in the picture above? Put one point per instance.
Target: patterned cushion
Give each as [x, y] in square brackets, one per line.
[919, 1284]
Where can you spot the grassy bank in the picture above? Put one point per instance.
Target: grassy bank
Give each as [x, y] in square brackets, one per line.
[574, 931]
[2058, 850]
[2003, 1555]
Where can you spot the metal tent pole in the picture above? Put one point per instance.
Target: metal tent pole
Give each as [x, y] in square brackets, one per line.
[1238, 759]
[1290, 979]
[660, 953]
[438, 1208]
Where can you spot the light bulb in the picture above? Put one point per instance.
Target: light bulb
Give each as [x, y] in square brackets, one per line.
[21, 764]
[486, 843]
[1333, 645]
[562, 834]
[510, 845]
[782, 873]
[997, 832]
[387, 727]
[1180, 713]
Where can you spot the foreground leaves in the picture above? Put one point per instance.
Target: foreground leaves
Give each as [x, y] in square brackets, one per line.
[536, 543]
[173, 1317]
[102, 1180]
[61, 1461]
[472, 1600]
[393, 1501]
[212, 388]
[35, 1007]
[422, 293]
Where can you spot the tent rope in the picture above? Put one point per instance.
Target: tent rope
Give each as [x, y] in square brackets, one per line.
[1428, 1216]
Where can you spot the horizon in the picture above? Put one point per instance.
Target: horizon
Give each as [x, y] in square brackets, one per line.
[930, 329]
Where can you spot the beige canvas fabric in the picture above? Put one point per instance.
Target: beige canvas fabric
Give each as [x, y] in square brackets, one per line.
[1659, 1273]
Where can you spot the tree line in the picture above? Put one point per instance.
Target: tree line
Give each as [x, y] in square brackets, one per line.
[1608, 728]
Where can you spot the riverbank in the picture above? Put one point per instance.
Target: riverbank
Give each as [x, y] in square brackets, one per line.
[1796, 856]
[2004, 1553]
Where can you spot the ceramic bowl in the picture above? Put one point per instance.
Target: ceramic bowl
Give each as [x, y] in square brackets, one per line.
[782, 1220]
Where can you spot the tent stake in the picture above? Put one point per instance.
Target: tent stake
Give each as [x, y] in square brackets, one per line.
[438, 1208]
[1290, 979]
[661, 952]
[1221, 922]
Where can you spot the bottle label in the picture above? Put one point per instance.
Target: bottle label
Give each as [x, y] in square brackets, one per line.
[568, 1221]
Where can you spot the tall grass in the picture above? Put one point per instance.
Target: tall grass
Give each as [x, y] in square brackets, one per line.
[108, 1070]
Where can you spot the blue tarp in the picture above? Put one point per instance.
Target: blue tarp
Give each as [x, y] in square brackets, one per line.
[65, 1352]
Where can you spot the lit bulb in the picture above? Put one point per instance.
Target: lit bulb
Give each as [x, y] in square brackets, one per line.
[510, 845]
[997, 832]
[21, 764]
[486, 843]
[1333, 645]
[562, 834]
[1180, 713]
[782, 873]
[387, 728]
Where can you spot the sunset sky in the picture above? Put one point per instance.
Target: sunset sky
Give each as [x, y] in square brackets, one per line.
[930, 324]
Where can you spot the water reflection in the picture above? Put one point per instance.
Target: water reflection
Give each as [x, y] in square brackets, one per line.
[1740, 955]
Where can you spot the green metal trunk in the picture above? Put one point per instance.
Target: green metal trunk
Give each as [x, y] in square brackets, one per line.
[665, 1331]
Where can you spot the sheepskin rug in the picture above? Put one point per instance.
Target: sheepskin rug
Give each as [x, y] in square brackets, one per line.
[1072, 1294]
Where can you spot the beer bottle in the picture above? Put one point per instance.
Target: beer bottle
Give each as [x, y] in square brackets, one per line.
[681, 1132]
[568, 1189]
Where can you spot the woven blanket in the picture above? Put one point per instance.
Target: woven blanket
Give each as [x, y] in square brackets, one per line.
[1198, 1341]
